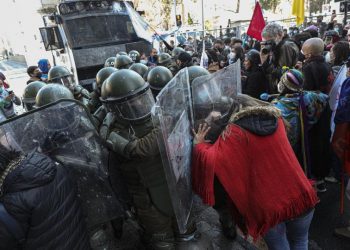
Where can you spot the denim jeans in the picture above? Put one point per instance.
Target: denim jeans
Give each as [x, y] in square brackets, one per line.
[290, 235]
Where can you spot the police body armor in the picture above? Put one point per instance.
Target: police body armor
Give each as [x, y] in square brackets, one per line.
[129, 131]
[120, 132]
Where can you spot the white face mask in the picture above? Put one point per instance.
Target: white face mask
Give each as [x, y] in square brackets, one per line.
[328, 58]
[280, 88]
[232, 55]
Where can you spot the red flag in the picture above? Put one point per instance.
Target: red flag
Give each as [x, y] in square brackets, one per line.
[257, 23]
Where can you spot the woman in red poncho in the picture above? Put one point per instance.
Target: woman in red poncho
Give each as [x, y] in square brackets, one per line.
[267, 191]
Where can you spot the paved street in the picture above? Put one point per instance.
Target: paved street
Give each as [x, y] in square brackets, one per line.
[326, 218]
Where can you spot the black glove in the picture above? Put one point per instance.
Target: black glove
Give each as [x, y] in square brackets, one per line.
[55, 140]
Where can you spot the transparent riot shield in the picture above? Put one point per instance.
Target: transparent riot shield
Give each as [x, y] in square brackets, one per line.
[65, 132]
[215, 92]
[172, 115]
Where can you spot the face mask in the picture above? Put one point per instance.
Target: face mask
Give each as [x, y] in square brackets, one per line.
[328, 58]
[232, 55]
[280, 88]
[38, 75]
[331, 57]
[1, 90]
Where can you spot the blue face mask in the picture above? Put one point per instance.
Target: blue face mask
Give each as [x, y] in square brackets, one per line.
[1, 90]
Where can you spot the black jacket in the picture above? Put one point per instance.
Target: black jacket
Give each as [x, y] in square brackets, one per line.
[40, 195]
[316, 74]
[255, 83]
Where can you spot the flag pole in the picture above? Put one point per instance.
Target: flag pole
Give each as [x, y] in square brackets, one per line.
[203, 26]
[175, 33]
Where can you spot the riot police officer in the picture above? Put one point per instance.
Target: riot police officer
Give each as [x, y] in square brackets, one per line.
[30, 93]
[164, 59]
[129, 132]
[157, 78]
[61, 75]
[73, 121]
[135, 56]
[121, 53]
[110, 62]
[123, 62]
[139, 68]
[196, 71]
[51, 93]
[94, 102]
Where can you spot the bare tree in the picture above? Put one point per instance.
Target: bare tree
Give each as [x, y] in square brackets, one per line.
[166, 10]
[238, 6]
[270, 4]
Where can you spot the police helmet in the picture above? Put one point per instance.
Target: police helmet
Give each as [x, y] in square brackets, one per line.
[127, 94]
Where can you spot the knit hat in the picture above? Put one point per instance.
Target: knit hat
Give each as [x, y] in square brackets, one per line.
[293, 79]
[312, 27]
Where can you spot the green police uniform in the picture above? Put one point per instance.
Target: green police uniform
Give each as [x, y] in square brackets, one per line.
[130, 133]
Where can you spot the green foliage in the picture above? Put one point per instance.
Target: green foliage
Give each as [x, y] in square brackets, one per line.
[189, 19]
[316, 5]
[166, 10]
[46, 11]
[208, 25]
[269, 4]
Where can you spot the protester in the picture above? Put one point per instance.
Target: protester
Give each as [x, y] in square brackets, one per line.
[318, 74]
[4, 80]
[44, 65]
[183, 60]
[39, 198]
[276, 53]
[7, 101]
[254, 82]
[153, 58]
[301, 109]
[338, 55]
[34, 73]
[341, 144]
[318, 77]
[278, 206]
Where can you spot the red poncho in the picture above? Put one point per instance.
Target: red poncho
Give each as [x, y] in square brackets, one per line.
[260, 174]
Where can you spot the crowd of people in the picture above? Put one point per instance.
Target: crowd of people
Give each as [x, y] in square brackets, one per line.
[281, 123]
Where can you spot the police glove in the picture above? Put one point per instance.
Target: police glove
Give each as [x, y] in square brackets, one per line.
[54, 141]
[117, 143]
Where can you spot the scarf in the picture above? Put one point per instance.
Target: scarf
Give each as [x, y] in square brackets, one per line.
[260, 174]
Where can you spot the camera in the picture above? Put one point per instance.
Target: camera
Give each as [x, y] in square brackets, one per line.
[269, 46]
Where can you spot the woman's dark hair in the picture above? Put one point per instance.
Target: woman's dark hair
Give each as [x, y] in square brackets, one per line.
[341, 52]
[6, 156]
[239, 52]
[213, 57]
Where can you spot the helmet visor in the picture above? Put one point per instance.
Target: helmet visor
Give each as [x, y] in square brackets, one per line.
[135, 108]
[28, 103]
[67, 81]
[58, 117]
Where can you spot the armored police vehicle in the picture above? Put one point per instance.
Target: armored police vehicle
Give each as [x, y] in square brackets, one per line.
[83, 34]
